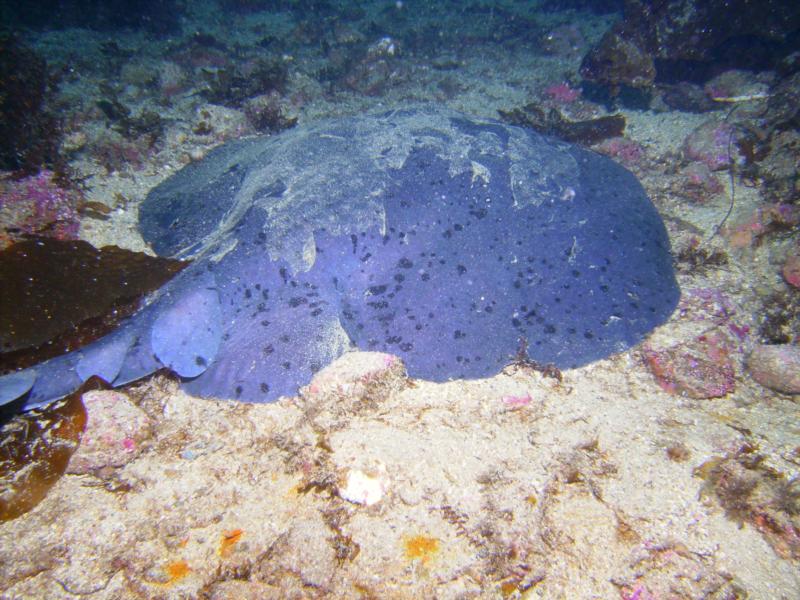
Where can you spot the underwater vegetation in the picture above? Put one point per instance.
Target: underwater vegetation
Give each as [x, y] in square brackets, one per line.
[752, 493]
[34, 453]
[61, 295]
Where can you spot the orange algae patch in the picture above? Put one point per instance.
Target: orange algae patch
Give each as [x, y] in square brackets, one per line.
[177, 570]
[228, 540]
[507, 588]
[421, 547]
[35, 449]
[172, 573]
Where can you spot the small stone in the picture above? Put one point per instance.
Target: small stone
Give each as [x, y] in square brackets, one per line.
[114, 432]
[776, 367]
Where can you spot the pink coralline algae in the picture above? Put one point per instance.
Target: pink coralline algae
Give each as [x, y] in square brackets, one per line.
[700, 368]
[713, 144]
[37, 205]
[763, 220]
[115, 432]
[514, 402]
[562, 93]
[791, 268]
[626, 151]
[698, 183]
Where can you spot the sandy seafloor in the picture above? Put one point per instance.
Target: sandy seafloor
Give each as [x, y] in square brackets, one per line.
[514, 486]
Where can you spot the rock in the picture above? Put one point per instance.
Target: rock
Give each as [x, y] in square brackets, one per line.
[629, 152]
[698, 183]
[713, 144]
[776, 367]
[682, 39]
[736, 84]
[778, 168]
[687, 97]
[564, 40]
[701, 368]
[357, 374]
[791, 268]
[114, 432]
[38, 206]
[617, 61]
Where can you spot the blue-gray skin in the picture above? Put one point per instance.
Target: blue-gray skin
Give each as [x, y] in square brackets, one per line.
[440, 238]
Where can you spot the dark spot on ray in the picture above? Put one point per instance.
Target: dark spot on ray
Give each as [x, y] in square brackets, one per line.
[375, 290]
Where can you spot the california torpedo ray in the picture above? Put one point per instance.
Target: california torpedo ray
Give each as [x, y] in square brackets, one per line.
[444, 239]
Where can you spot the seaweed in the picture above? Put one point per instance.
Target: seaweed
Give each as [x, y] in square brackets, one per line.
[552, 123]
[697, 259]
[750, 491]
[523, 361]
[233, 85]
[780, 318]
[59, 295]
[787, 496]
[36, 448]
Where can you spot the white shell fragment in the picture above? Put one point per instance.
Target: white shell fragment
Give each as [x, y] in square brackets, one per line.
[364, 488]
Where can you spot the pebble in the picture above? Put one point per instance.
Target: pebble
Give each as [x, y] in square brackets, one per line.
[776, 367]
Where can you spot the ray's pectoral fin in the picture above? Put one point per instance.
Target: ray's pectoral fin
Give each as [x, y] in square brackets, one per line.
[186, 335]
[14, 385]
[182, 331]
[104, 360]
